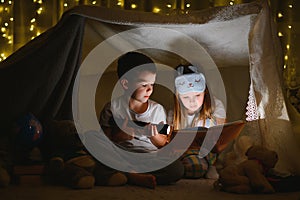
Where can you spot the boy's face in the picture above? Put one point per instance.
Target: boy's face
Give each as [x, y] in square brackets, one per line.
[141, 86]
[192, 101]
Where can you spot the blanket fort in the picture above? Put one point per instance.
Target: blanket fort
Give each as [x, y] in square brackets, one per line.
[241, 40]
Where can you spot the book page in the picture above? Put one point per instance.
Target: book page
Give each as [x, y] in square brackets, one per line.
[219, 136]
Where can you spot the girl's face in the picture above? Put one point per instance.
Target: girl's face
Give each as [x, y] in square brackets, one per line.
[142, 86]
[192, 101]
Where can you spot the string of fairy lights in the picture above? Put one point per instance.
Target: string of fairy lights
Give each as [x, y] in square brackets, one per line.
[10, 30]
[12, 38]
[6, 20]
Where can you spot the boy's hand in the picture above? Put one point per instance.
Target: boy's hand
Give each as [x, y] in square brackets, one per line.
[159, 140]
[151, 130]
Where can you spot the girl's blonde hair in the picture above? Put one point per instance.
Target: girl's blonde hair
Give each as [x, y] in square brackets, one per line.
[180, 113]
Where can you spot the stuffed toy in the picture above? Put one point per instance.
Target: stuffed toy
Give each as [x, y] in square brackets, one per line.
[5, 163]
[68, 161]
[27, 135]
[238, 152]
[249, 176]
[4, 177]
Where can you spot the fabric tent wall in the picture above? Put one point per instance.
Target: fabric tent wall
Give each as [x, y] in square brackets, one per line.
[240, 40]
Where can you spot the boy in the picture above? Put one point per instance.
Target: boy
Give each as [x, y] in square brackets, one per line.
[137, 74]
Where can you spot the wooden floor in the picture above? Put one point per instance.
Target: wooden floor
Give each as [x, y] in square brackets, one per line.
[184, 189]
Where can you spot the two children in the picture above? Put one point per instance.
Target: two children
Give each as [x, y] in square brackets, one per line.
[193, 107]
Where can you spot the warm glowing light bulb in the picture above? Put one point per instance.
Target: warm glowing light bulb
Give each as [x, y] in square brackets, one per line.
[187, 5]
[286, 57]
[39, 11]
[279, 15]
[11, 19]
[280, 34]
[289, 26]
[231, 3]
[6, 24]
[169, 5]
[290, 6]
[156, 10]
[9, 2]
[133, 6]
[3, 29]
[32, 20]
[65, 5]
[94, 2]
[287, 46]
[2, 1]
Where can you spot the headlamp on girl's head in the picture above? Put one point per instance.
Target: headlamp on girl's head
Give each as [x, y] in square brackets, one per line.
[186, 83]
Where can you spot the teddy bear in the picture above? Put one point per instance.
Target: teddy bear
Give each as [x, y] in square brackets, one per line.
[5, 177]
[67, 160]
[17, 147]
[249, 176]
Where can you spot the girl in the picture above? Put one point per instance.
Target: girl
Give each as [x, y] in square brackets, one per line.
[195, 107]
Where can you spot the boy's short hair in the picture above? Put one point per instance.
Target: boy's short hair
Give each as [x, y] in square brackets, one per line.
[131, 60]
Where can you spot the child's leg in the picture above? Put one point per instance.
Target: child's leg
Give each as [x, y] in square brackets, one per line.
[169, 174]
[194, 166]
[212, 173]
[145, 180]
[107, 176]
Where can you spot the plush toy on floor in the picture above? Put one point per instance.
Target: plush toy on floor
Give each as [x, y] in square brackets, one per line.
[68, 162]
[4, 177]
[250, 175]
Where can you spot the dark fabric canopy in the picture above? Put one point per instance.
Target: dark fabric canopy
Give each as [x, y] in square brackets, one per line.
[37, 78]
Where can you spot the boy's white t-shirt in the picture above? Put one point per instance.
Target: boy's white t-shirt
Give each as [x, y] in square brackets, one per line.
[119, 108]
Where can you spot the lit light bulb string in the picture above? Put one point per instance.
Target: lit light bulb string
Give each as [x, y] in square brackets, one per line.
[6, 12]
[33, 27]
[288, 33]
[289, 66]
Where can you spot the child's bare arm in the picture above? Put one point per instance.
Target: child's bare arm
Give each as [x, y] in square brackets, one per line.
[159, 140]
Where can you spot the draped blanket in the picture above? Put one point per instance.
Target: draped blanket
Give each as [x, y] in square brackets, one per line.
[237, 46]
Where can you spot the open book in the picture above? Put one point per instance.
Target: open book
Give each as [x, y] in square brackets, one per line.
[223, 134]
